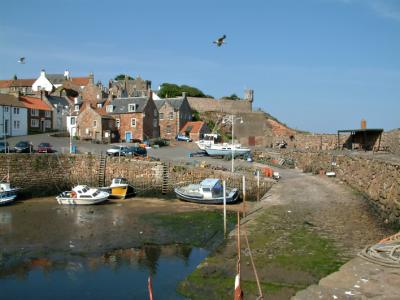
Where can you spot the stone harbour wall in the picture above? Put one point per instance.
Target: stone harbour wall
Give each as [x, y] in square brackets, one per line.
[49, 174]
[378, 180]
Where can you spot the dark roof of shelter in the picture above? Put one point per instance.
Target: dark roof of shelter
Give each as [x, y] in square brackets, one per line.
[366, 130]
[121, 104]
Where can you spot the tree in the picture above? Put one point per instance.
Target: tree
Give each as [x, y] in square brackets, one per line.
[122, 77]
[170, 90]
[231, 97]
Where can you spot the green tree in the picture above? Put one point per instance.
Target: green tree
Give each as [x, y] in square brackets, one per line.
[231, 97]
[170, 90]
[122, 77]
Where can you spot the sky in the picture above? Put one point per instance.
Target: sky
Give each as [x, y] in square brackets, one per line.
[316, 65]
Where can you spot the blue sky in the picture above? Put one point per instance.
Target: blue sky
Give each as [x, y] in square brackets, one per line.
[317, 65]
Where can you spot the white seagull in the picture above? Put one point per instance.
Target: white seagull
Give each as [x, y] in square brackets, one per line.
[21, 60]
[220, 41]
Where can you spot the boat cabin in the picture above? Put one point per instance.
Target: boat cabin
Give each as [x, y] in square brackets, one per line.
[211, 188]
[119, 181]
[4, 186]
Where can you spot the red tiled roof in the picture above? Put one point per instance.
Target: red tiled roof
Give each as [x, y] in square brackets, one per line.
[34, 103]
[80, 80]
[196, 127]
[17, 82]
[5, 83]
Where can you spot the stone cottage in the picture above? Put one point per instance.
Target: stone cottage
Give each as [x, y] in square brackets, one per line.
[195, 130]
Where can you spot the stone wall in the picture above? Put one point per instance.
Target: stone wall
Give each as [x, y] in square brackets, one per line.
[221, 105]
[391, 141]
[49, 174]
[378, 180]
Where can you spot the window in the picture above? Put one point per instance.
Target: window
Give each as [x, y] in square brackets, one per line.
[95, 123]
[117, 123]
[171, 115]
[47, 124]
[77, 107]
[87, 130]
[155, 123]
[16, 110]
[47, 114]
[110, 108]
[35, 113]
[133, 122]
[168, 129]
[34, 123]
[5, 108]
[155, 113]
[161, 116]
[73, 121]
[132, 107]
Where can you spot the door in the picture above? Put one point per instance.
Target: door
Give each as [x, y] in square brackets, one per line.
[128, 136]
[252, 140]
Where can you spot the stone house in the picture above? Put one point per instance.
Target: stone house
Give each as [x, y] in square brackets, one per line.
[137, 87]
[61, 110]
[40, 116]
[96, 124]
[13, 116]
[195, 130]
[135, 117]
[173, 115]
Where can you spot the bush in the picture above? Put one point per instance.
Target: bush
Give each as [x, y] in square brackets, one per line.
[159, 142]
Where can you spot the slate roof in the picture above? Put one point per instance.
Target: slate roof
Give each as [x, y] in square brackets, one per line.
[176, 103]
[59, 101]
[55, 78]
[10, 100]
[121, 104]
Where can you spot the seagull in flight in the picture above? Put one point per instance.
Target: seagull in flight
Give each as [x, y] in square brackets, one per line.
[220, 41]
[21, 60]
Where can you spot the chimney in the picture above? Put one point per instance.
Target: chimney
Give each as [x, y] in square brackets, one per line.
[42, 73]
[66, 74]
[363, 124]
[91, 78]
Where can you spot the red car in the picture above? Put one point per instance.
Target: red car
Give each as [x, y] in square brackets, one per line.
[44, 148]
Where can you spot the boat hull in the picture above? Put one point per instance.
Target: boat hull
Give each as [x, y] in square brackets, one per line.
[232, 197]
[6, 197]
[121, 192]
[76, 201]
[219, 152]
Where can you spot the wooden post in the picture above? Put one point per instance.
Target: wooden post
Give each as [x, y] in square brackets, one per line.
[238, 242]
[224, 192]
[244, 196]
[258, 185]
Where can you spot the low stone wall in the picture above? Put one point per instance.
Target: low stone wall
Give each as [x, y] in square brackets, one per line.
[49, 174]
[378, 180]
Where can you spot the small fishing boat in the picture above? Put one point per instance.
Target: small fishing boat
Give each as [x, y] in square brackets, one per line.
[7, 193]
[208, 140]
[82, 195]
[120, 188]
[209, 191]
[227, 150]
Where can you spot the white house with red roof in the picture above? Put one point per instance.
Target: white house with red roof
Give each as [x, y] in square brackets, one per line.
[40, 114]
[13, 116]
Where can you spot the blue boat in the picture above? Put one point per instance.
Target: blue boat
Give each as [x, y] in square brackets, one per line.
[209, 191]
[7, 194]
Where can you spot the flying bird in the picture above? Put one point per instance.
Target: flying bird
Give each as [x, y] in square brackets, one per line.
[220, 41]
[21, 60]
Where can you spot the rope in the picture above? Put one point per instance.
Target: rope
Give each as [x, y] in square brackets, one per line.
[385, 253]
[254, 267]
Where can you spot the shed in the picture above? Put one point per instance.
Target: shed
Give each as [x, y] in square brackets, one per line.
[361, 139]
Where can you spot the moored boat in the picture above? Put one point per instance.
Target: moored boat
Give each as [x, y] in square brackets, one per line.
[82, 195]
[7, 193]
[227, 150]
[209, 191]
[120, 188]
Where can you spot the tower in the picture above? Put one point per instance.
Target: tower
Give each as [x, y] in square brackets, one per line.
[249, 95]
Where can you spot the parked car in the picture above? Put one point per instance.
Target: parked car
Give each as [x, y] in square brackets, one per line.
[45, 148]
[181, 137]
[23, 147]
[135, 151]
[4, 147]
[116, 150]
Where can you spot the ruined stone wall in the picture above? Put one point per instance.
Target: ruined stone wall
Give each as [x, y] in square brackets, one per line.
[391, 141]
[377, 179]
[221, 105]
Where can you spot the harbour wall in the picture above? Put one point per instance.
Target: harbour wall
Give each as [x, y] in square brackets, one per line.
[49, 174]
[376, 179]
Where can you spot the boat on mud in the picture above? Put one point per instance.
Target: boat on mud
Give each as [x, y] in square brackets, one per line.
[82, 195]
[120, 188]
[227, 150]
[7, 193]
[209, 191]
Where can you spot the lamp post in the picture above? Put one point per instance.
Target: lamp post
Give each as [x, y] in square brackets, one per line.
[231, 119]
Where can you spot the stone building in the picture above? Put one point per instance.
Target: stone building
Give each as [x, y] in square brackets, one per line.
[137, 87]
[135, 117]
[173, 115]
[95, 124]
[40, 117]
[195, 130]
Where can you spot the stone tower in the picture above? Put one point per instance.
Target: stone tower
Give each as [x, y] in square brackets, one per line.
[249, 95]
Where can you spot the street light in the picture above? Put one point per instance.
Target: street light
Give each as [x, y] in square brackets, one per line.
[231, 119]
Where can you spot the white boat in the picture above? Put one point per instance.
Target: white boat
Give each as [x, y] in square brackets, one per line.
[82, 195]
[227, 150]
[7, 193]
[208, 140]
[209, 191]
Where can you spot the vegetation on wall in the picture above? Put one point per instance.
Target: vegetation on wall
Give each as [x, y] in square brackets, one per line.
[231, 97]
